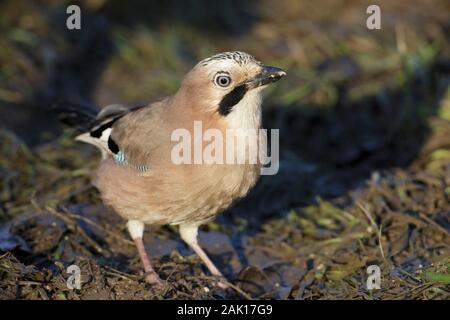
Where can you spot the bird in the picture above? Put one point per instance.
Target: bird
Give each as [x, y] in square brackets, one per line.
[137, 175]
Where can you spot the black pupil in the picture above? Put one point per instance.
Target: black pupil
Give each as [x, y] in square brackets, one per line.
[223, 81]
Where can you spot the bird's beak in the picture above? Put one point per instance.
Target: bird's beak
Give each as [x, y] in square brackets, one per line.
[266, 76]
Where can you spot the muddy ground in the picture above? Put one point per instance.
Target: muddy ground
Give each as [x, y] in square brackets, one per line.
[364, 119]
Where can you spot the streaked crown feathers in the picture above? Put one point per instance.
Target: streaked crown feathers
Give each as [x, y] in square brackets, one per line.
[239, 57]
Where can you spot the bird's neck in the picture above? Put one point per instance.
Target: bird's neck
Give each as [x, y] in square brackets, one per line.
[247, 113]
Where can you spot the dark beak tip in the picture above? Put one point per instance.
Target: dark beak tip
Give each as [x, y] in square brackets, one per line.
[280, 74]
[275, 73]
[267, 75]
[275, 76]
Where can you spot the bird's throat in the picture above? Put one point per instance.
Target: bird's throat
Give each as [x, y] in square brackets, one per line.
[231, 99]
[246, 114]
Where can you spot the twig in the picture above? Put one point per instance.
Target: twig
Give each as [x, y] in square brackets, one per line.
[4, 255]
[43, 294]
[121, 274]
[26, 282]
[434, 223]
[229, 284]
[75, 192]
[238, 290]
[374, 224]
[92, 223]
[75, 226]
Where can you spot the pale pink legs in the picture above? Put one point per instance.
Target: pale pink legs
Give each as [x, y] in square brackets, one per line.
[136, 229]
[188, 233]
[151, 276]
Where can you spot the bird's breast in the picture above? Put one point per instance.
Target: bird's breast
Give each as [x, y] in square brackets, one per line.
[177, 194]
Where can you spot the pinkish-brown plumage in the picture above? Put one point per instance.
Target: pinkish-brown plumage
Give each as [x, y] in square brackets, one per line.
[187, 195]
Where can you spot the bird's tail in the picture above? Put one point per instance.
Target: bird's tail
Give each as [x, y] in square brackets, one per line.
[93, 125]
[81, 116]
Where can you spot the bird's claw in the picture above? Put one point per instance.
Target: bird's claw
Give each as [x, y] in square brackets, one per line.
[223, 283]
[154, 280]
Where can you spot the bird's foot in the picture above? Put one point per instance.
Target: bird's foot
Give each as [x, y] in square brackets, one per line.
[223, 284]
[154, 280]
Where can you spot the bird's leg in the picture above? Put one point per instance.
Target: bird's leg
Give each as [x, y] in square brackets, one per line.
[188, 233]
[136, 229]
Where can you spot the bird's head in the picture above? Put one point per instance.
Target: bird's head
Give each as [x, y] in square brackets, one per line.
[222, 82]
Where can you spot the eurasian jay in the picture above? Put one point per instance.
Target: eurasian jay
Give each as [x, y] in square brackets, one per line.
[138, 175]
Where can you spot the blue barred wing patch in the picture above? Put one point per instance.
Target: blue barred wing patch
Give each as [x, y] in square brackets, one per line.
[120, 159]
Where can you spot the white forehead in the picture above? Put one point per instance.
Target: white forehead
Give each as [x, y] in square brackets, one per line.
[238, 57]
[226, 60]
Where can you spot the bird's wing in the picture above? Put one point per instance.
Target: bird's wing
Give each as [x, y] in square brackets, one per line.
[96, 127]
[138, 137]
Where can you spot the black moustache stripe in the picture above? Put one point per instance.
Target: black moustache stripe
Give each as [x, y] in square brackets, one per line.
[231, 99]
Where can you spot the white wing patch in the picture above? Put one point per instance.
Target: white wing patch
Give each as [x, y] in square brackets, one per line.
[105, 135]
[98, 142]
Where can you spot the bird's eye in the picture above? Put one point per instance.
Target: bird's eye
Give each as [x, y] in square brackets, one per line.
[223, 81]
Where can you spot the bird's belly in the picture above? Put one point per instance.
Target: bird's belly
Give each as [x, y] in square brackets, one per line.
[175, 197]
